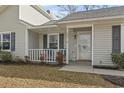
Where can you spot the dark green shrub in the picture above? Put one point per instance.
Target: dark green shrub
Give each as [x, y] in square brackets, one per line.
[118, 58]
[122, 60]
[6, 56]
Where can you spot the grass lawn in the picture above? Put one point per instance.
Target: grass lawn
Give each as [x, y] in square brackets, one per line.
[47, 76]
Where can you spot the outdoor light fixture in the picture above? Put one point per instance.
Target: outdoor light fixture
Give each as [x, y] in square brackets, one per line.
[74, 35]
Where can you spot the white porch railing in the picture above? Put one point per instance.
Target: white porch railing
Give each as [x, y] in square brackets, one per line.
[49, 54]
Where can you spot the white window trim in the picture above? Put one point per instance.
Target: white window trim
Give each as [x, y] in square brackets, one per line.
[2, 40]
[49, 36]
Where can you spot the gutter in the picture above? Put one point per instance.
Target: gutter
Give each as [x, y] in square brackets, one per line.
[91, 19]
[49, 26]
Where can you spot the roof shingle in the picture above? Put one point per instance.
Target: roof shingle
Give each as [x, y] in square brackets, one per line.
[107, 12]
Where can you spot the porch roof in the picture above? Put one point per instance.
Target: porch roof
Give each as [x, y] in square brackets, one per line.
[49, 24]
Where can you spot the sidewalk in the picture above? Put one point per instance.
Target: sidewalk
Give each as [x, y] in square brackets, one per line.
[90, 69]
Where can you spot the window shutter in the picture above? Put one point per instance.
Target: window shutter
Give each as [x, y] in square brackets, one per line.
[45, 41]
[12, 41]
[61, 41]
[116, 41]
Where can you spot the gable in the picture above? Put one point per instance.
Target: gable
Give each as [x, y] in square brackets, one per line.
[3, 8]
[10, 17]
[32, 16]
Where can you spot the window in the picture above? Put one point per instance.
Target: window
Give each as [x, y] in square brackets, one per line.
[5, 41]
[116, 42]
[53, 41]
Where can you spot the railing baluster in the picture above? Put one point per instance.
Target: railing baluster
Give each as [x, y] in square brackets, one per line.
[35, 55]
[49, 54]
[44, 54]
[52, 55]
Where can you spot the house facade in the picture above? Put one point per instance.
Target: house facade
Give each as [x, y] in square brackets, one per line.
[92, 36]
[14, 24]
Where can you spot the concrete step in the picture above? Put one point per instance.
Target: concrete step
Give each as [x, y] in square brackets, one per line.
[81, 62]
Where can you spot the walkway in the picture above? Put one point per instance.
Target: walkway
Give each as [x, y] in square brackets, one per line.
[90, 69]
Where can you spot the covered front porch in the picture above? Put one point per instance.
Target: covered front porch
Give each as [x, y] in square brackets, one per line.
[74, 42]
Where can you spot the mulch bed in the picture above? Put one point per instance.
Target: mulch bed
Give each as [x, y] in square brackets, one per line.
[118, 80]
[22, 63]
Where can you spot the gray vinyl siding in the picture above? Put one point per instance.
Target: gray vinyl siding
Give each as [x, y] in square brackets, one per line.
[33, 38]
[102, 47]
[9, 22]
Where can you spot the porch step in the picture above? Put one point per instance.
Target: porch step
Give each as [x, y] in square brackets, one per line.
[81, 62]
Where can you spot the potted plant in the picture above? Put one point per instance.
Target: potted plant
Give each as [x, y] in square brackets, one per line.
[59, 58]
[42, 57]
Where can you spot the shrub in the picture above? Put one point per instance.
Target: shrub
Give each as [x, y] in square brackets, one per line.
[122, 60]
[18, 60]
[118, 58]
[6, 56]
[27, 59]
[59, 58]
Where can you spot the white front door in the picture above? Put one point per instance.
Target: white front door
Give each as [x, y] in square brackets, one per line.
[84, 46]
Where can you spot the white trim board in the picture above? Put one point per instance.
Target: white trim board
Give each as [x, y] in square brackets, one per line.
[38, 27]
[79, 26]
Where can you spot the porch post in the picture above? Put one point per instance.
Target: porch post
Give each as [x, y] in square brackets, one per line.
[92, 42]
[67, 50]
[26, 42]
[122, 37]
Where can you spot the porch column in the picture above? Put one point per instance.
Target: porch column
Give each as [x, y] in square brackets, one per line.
[67, 50]
[26, 42]
[92, 42]
[122, 38]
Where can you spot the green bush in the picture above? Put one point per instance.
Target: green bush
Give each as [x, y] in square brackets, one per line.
[122, 60]
[118, 58]
[6, 56]
[19, 60]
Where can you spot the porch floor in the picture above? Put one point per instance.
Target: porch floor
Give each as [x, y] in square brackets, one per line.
[89, 69]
